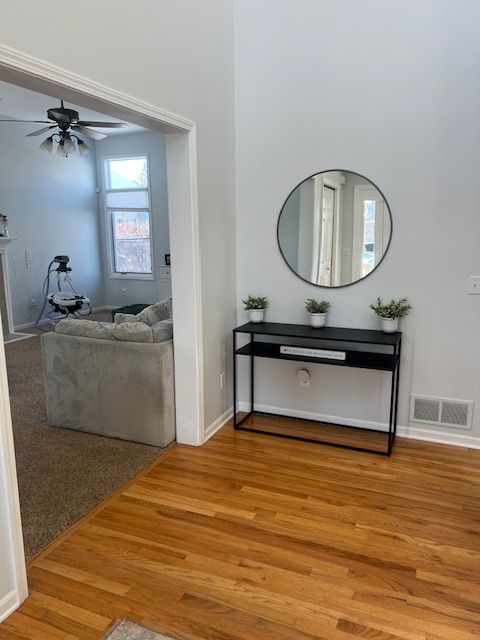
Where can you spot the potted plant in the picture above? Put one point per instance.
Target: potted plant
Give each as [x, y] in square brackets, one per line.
[256, 307]
[391, 312]
[317, 310]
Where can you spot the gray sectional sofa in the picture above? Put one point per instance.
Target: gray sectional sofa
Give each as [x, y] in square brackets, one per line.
[112, 380]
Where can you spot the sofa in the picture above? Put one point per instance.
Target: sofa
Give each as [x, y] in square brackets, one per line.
[113, 379]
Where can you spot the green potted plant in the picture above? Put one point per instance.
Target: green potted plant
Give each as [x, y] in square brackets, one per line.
[391, 312]
[256, 307]
[317, 310]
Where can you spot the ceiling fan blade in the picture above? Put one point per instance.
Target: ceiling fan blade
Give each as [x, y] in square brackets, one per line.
[34, 121]
[95, 135]
[40, 131]
[109, 125]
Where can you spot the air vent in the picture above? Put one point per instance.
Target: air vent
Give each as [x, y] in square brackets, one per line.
[455, 413]
[442, 411]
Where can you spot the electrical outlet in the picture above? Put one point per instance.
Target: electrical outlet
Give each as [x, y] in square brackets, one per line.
[303, 376]
[33, 302]
[222, 381]
[474, 288]
[28, 259]
[124, 291]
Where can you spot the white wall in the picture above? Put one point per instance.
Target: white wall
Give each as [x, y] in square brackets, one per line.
[152, 144]
[179, 57]
[51, 205]
[386, 89]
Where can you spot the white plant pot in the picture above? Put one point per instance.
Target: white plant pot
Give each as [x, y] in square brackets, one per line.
[317, 320]
[389, 325]
[256, 315]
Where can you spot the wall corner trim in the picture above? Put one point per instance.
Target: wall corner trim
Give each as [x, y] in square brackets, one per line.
[8, 604]
[217, 424]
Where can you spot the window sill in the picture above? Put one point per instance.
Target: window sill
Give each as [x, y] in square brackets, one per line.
[131, 276]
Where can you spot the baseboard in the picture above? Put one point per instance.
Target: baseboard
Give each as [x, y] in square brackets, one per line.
[415, 433]
[27, 325]
[217, 424]
[15, 337]
[8, 604]
[439, 437]
[311, 415]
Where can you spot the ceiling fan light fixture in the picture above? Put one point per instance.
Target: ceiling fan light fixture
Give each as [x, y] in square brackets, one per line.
[83, 147]
[68, 145]
[68, 122]
[61, 149]
[47, 144]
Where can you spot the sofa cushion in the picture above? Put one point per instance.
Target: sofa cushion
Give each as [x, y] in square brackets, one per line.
[85, 328]
[156, 312]
[132, 332]
[150, 315]
[162, 330]
[126, 317]
[132, 309]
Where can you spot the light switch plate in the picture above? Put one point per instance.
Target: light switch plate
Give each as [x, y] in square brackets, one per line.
[474, 288]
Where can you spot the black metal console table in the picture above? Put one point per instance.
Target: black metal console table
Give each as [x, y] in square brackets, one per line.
[357, 349]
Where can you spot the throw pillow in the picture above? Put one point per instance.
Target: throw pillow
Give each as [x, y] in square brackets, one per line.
[126, 317]
[162, 330]
[132, 332]
[156, 312]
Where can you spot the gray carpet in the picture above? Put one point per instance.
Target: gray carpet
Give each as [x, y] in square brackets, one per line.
[126, 630]
[62, 474]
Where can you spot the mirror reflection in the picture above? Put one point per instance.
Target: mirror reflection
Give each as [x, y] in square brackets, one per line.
[334, 228]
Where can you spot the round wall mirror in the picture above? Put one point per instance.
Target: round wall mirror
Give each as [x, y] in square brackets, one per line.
[334, 228]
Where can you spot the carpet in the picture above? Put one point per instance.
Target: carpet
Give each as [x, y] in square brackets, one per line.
[62, 474]
[126, 630]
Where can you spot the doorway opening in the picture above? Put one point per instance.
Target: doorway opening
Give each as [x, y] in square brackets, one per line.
[184, 245]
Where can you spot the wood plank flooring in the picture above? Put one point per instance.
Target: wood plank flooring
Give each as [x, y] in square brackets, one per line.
[258, 538]
[322, 432]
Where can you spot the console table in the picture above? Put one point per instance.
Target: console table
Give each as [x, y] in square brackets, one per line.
[359, 348]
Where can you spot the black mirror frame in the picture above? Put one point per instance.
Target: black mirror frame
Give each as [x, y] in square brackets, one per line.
[339, 286]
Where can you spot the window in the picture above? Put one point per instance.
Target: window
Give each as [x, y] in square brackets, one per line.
[368, 245]
[127, 205]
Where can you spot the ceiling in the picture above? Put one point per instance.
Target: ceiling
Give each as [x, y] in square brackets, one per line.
[23, 104]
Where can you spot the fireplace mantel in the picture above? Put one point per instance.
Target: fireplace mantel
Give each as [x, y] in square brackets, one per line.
[9, 333]
[5, 241]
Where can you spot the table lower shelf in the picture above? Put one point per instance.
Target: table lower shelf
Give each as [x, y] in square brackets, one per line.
[357, 359]
[319, 432]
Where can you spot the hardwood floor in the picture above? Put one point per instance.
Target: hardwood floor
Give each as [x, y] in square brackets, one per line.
[257, 538]
[322, 432]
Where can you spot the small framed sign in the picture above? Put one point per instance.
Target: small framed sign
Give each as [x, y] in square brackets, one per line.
[327, 354]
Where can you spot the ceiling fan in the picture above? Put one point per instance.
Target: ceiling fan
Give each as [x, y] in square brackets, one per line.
[68, 123]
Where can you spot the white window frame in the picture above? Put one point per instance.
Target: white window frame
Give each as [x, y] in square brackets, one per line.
[108, 216]
[358, 229]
